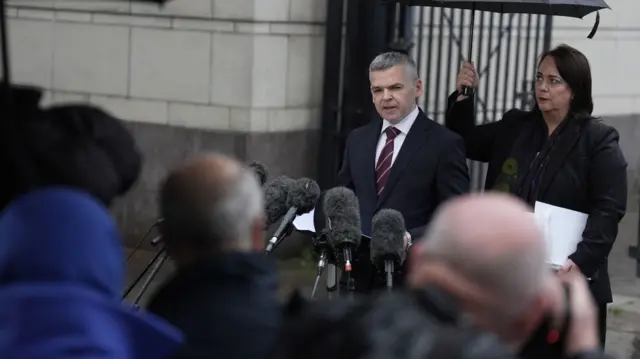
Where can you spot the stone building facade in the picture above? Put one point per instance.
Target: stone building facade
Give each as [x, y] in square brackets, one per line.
[241, 77]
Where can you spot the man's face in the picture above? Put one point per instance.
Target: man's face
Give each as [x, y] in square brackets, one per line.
[394, 93]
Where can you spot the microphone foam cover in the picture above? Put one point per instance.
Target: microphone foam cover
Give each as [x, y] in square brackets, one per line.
[275, 198]
[303, 195]
[260, 170]
[387, 237]
[342, 212]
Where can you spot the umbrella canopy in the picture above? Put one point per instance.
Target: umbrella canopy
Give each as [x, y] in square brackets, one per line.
[569, 8]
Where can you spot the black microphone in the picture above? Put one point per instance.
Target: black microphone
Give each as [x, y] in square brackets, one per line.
[342, 213]
[388, 250]
[301, 199]
[275, 198]
[260, 171]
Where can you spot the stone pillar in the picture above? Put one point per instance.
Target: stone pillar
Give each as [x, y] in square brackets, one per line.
[241, 77]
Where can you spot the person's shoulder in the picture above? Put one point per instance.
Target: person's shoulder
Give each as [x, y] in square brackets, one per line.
[516, 116]
[357, 132]
[599, 131]
[440, 130]
[446, 138]
[597, 135]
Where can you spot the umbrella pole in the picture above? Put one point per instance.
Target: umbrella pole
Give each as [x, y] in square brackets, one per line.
[473, 20]
[467, 91]
[4, 43]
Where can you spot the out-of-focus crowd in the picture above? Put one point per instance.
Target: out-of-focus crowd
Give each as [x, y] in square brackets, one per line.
[478, 285]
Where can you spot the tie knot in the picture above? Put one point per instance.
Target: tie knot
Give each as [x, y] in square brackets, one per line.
[391, 132]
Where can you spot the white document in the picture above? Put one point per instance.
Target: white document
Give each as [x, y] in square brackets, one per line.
[562, 229]
[304, 222]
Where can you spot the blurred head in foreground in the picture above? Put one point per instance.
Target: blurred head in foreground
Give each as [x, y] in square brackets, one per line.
[211, 204]
[488, 253]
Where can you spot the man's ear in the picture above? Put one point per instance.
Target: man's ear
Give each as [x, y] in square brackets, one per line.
[418, 88]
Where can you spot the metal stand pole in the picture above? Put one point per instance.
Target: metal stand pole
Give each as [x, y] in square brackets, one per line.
[154, 272]
[332, 280]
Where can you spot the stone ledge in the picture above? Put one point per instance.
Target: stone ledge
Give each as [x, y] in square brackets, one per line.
[166, 21]
[312, 11]
[195, 116]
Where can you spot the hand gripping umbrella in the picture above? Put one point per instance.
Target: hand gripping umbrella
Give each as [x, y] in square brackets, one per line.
[567, 8]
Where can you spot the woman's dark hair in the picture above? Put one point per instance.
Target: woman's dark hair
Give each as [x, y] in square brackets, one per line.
[574, 68]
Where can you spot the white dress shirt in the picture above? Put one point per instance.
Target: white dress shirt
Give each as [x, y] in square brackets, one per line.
[404, 126]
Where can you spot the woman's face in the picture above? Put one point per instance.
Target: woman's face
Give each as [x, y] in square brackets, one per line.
[552, 92]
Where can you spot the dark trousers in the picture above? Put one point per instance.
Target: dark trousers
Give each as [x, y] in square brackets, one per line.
[602, 323]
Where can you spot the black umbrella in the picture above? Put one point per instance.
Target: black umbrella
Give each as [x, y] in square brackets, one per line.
[568, 8]
[4, 42]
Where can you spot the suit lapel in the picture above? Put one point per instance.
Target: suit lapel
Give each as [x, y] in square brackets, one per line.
[368, 158]
[415, 139]
[570, 137]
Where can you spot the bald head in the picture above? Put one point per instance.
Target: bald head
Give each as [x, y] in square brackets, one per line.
[492, 241]
[210, 203]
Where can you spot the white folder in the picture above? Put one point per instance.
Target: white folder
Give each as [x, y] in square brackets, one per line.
[304, 222]
[562, 229]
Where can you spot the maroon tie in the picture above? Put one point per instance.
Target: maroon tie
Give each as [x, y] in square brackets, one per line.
[383, 166]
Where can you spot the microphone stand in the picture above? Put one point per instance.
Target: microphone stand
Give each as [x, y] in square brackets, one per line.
[159, 260]
[155, 264]
[351, 283]
[388, 269]
[322, 246]
[332, 280]
[139, 244]
[321, 265]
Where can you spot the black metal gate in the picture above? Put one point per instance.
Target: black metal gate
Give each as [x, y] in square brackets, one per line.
[505, 53]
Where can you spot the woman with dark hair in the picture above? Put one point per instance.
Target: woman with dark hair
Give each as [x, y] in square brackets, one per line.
[557, 153]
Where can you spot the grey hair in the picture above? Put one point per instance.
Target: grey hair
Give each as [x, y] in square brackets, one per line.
[387, 60]
[233, 214]
[515, 280]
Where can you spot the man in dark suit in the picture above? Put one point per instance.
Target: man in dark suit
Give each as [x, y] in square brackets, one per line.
[404, 161]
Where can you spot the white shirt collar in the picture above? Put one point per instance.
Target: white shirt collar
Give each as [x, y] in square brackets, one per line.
[405, 124]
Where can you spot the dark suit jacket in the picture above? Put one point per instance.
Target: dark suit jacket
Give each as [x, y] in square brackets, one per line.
[586, 174]
[429, 169]
[226, 306]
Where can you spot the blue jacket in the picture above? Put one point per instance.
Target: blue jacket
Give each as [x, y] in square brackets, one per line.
[61, 275]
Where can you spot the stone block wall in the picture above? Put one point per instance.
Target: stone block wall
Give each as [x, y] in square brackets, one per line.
[242, 77]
